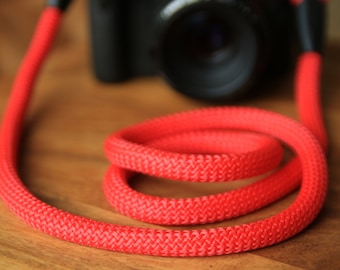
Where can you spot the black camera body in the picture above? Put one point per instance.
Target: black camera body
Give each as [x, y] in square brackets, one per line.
[206, 49]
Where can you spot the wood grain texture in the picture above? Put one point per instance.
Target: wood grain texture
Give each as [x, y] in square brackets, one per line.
[62, 160]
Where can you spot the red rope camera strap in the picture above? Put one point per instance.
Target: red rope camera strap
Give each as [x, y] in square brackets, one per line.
[190, 146]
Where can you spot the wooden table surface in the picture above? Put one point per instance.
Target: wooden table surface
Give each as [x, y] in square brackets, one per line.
[62, 160]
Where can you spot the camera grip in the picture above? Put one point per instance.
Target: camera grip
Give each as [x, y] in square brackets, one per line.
[107, 39]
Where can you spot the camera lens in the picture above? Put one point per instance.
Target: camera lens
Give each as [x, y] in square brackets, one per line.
[207, 38]
[209, 50]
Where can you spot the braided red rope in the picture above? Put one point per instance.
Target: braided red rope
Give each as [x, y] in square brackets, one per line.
[160, 147]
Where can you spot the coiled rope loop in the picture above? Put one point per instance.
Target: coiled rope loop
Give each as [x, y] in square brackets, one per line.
[190, 146]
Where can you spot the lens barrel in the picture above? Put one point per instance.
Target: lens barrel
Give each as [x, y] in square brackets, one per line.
[208, 49]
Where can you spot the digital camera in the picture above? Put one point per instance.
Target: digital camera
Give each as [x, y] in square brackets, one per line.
[206, 49]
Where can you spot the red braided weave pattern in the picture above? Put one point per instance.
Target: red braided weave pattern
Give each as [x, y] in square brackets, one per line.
[189, 146]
